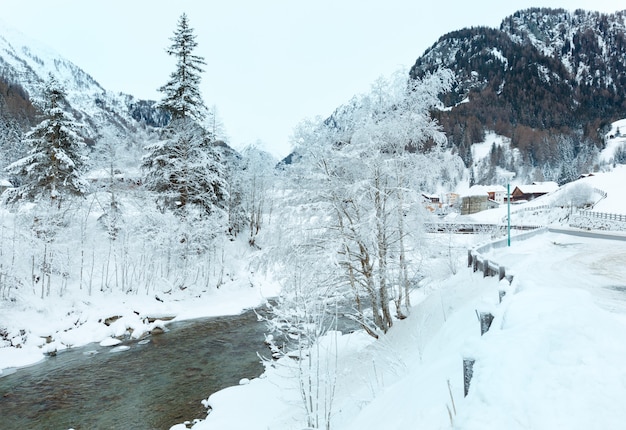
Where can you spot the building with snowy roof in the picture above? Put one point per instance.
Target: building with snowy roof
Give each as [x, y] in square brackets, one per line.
[481, 197]
[5, 184]
[532, 191]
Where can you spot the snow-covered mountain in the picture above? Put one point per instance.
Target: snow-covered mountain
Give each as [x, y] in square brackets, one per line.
[25, 64]
[551, 80]
[577, 55]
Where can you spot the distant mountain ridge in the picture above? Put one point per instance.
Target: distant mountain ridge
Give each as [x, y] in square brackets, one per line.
[25, 64]
[550, 80]
[543, 70]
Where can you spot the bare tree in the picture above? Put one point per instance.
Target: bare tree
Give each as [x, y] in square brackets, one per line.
[366, 159]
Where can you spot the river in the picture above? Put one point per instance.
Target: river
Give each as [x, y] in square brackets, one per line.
[151, 385]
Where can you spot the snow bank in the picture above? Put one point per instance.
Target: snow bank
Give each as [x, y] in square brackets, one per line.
[552, 360]
[553, 357]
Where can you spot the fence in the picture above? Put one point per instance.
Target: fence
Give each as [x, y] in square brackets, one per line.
[478, 262]
[601, 192]
[598, 191]
[531, 209]
[603, 215]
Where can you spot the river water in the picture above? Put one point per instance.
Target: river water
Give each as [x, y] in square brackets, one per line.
[151, 385]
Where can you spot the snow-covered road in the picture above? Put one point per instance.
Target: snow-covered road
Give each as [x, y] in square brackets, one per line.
[594, 264]
[554, 357]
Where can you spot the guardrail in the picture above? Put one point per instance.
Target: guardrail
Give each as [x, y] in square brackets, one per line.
[603, 215]
[474, 227]
[594, 234]
[478, 262]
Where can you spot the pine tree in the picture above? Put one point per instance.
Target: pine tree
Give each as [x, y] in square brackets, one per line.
[182, 96]
[184, 168]
[52, 168]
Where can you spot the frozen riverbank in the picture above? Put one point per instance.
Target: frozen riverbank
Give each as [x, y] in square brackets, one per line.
[35, 327]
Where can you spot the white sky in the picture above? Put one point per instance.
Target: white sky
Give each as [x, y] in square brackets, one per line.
[270, 63]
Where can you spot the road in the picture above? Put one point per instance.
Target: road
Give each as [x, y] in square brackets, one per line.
[558, 260]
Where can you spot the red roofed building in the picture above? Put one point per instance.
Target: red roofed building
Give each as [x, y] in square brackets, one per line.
[532, 191]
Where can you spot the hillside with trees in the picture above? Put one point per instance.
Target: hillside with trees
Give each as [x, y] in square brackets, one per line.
[550, 80]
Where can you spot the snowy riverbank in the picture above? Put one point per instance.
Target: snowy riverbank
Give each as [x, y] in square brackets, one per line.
[35, 327]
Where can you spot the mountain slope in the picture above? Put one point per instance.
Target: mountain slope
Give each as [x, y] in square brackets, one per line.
[544, 72]
[25, 64]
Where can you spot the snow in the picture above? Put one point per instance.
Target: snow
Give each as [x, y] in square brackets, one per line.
[110, 341]
[120, 348]
[482, 150]
[77, 320]
[33, 60]
[481, 190]
[614, 140]
[553, 357]
[613, 184]
[498, 55]
[538, 187]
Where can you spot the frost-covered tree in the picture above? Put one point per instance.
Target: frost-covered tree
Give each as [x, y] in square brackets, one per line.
[257, 179]
[53, 167]
[184, 168]
[369, 162]
[182, 96]
[215, 125]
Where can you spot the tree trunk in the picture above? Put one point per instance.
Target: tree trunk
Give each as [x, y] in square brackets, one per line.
[381, 237]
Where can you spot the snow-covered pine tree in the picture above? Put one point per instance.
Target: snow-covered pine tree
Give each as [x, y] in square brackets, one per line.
[182, 93]
[52, 169]
[184, 168]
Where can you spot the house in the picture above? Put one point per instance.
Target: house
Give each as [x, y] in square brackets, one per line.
[431, 201]
[585, 175]
[470, 204]
[532, 191]
[452, 199]
[497, 193]
[482, 197]
[474, 200]
[5, 185]
[432, 198]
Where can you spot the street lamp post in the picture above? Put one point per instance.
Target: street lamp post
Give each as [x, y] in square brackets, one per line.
[508, 176]
[508, 212]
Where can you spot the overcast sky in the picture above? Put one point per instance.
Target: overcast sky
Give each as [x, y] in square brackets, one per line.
[270, 63]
